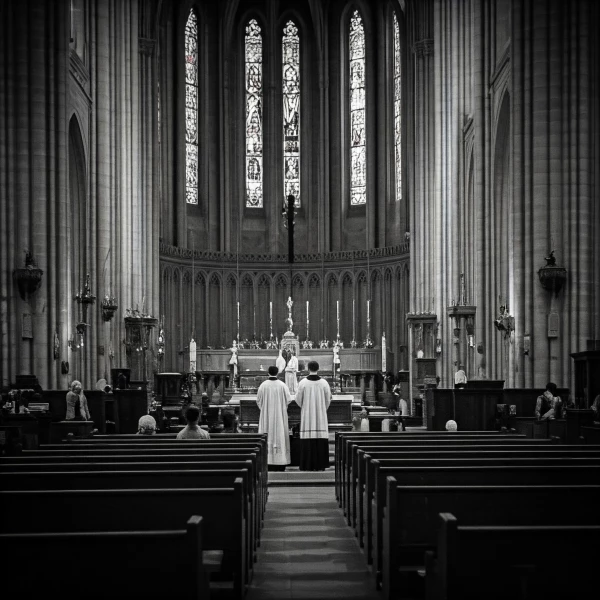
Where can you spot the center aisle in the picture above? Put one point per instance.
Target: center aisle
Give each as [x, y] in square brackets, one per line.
[308, 551]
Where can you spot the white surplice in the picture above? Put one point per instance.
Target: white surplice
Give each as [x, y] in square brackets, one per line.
[273, 398]
[313, 397]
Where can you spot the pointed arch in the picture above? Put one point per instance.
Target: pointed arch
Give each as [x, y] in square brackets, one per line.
[357, 90]
[290, 64]
[397, 105]
[191, 108]
[78, 200]
[253, 61]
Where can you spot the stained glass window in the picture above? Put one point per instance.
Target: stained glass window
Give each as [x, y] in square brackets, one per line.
[191, 109]
[358, 149]
[291, 111]
[254, 116]
[397, 109]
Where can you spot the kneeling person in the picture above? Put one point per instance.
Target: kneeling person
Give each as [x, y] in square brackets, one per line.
[273, 398]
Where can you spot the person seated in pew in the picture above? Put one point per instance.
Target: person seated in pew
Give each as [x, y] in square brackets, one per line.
[146, 425]
[230, 422]
[596, 407]
[77, 406]
[192, 431]
[548, 405]
[451, 425]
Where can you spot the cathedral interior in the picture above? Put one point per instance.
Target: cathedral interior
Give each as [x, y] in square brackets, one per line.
[443, 157]
[407, 191]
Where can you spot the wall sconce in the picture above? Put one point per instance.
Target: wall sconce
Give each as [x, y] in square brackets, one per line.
[109, 307]
[28, 279]
[552, 277]
[438, 345]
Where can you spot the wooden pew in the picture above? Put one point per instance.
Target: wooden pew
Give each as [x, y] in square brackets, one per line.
[411, 523]
[344, 438]
[180, 448]
[97, 565]
[367, 454]
[509, 474]
[349, 446]
[149, 479]
[549, 562]
[341, 437]
[144, 462]
[153, 441]
[350, 468]
[48, 511]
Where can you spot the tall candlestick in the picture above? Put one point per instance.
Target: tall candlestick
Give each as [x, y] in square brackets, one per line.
[338, 317]
[307, 319]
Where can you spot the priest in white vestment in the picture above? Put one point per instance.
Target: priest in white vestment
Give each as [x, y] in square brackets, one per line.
[314, 397]
[291, 369]
[273, 398]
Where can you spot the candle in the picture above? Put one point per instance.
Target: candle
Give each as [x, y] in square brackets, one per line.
[353, 321]
[270, 311]
[307, 319]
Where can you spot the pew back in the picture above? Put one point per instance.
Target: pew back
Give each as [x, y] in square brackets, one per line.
[74, 565]
[540, 561]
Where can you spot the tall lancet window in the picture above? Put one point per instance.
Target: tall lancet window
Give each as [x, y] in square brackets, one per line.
[397, 109]
[254, 116]
[291, 111]
[358, 148]
[191, 109]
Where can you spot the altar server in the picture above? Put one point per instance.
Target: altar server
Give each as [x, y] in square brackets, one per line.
[291, 369]
[273, 398]
[313, 397]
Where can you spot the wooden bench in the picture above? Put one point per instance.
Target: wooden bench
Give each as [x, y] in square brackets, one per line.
[148, 479]
[549, 562]
[509, 474]
[143, 509]
[179, 449]
[143, 463]
[349, 446]
[366, 456]
[99, 564]
[341, 437]
[410, 523]
[351, 467]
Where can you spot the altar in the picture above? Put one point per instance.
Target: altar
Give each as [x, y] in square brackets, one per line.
[355, 373]
[339, 413]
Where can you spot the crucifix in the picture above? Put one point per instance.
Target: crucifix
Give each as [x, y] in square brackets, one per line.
[289, 213]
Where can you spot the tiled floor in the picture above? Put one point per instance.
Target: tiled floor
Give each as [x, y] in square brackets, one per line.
[308, 551]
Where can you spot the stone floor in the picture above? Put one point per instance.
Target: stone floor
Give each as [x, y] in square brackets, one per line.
[307, 550]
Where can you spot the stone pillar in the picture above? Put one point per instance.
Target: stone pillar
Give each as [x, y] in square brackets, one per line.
[33, 143]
